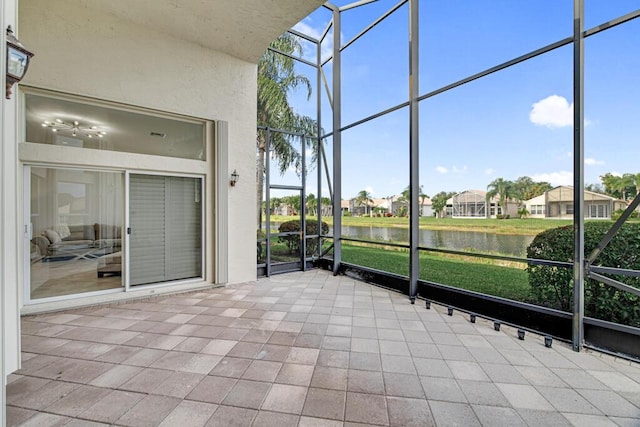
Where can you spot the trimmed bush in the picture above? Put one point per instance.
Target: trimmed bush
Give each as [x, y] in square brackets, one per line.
[293, 241]
[553, 286]
[617, 214]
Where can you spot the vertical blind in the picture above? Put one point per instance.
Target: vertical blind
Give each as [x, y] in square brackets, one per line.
[165, 215]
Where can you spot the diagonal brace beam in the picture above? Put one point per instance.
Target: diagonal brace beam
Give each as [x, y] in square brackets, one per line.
[613, 230]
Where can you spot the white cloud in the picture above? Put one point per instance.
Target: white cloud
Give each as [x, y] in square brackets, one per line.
[442, 169]
[592, 161]
[305, 26]
[555, 178]
[489, 171]
[618, 174]
[553, 112]
[370, 190]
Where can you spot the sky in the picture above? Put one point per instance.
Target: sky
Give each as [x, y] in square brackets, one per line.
[515, 122]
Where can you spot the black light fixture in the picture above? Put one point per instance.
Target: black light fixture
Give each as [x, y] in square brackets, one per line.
[17, 61]
[521, 334]
[234, 178]
[472, 318]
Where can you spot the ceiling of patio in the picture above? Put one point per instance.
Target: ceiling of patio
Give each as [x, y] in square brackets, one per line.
[242, 29]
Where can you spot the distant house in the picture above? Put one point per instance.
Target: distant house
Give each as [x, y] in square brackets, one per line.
[284, 209]
[558, 203]
[344, 206]
[426, 207]
[357, 209]
[474, 204]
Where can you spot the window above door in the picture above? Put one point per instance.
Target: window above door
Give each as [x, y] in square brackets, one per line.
[66, 121]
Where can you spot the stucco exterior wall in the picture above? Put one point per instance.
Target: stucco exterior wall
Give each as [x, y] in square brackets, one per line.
[90, 53]
[9, 229]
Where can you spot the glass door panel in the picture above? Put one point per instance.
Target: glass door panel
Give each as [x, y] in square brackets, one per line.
[76, 218]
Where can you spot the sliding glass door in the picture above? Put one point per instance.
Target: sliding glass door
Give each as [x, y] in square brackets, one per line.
[75, 219]
[165, 228]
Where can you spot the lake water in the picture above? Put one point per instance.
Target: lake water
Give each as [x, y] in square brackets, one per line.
[505, 244]
[472, 241]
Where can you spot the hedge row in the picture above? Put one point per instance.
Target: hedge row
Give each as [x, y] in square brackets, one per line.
[553, 286]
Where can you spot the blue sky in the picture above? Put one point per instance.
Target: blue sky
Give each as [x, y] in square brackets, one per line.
[515, 122]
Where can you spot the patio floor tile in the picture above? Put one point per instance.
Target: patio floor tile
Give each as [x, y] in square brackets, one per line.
[226, 416]
[366, 408]
[322, 403]
[262, 370]
[306, 349]
[295, 374]
[111, 407]
[247, 394]
[275, 419]
[212, 389]
[192, 414]
[285, 398]
[150, 411]
[405, 412]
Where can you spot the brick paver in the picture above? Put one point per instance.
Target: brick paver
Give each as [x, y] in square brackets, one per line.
[306, 349]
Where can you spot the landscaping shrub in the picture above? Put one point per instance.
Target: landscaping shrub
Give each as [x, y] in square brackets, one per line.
[616, 214]
[553, 286]
[293, 241]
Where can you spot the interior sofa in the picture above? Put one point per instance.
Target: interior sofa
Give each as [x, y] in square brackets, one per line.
[78, 241]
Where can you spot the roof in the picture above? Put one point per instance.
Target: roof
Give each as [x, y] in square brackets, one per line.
[564, 193]
[471, 196]
[242, 29]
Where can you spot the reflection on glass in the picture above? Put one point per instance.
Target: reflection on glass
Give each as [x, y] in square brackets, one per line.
[74, 124]
[76, 220]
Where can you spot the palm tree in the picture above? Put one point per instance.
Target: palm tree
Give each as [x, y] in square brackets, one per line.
[364, 199]
[405, 197]
[276, 79]
[311, 204]
[501, 188]
[636, 180]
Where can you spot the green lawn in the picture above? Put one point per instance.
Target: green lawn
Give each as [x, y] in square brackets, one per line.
[508, 281]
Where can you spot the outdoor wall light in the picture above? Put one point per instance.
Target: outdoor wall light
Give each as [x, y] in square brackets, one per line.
[234, 178]
[17, 61]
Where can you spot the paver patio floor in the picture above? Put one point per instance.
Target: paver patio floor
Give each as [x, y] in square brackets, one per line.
[305, 349]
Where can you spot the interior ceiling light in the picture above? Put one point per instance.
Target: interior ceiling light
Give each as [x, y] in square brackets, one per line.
[74, 128]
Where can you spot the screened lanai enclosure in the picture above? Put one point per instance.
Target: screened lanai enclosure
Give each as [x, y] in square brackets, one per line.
[448, 101]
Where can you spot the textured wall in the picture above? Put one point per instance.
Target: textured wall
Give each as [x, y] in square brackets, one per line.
[92, 53]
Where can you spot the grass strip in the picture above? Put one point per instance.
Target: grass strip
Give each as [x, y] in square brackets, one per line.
[484, 276]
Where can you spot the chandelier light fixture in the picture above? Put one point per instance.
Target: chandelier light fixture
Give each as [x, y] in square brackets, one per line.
[74, 128]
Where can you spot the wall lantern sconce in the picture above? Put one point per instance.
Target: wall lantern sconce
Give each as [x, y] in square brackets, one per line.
[17, 61]
[234, 178]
